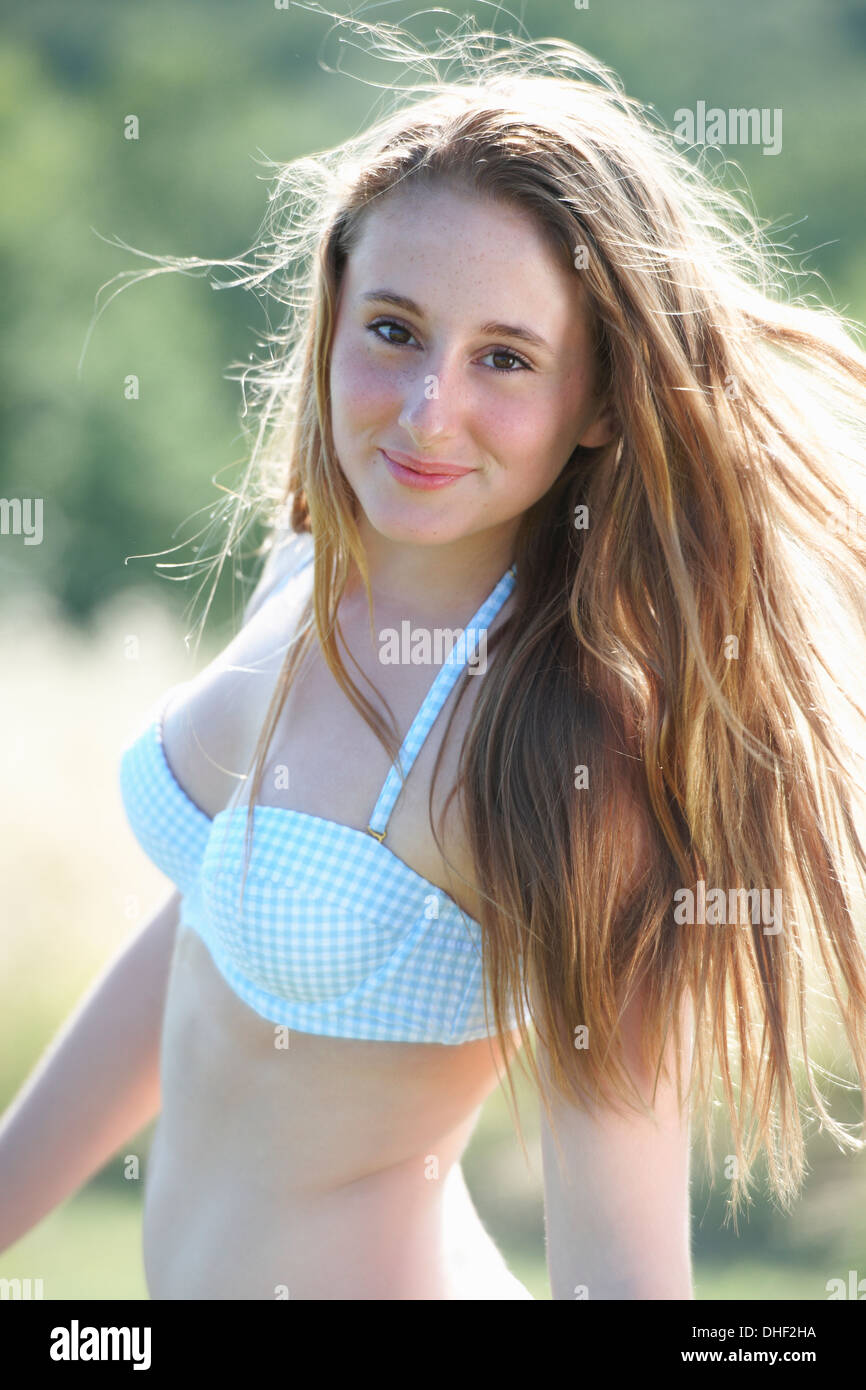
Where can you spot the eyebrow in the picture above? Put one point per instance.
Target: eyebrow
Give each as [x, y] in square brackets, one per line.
[496, 330]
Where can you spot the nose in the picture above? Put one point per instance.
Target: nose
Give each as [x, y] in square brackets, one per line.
[430, 406]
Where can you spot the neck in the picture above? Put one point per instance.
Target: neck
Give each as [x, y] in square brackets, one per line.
[434, 582]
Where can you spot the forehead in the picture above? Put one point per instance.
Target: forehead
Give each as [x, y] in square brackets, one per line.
[451, 249]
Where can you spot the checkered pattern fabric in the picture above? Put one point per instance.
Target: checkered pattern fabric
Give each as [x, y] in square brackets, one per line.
[335, 934]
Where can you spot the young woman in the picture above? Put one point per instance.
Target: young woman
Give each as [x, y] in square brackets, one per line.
[530, 390]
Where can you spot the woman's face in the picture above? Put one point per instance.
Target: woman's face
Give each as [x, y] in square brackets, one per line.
[484, 365]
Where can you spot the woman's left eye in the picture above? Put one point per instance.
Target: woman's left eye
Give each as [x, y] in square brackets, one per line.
[516, 362]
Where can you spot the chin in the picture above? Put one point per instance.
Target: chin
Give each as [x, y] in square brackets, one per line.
[399, 526]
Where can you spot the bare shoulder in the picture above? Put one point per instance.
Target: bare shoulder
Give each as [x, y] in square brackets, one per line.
[288, 554]
[206, 723]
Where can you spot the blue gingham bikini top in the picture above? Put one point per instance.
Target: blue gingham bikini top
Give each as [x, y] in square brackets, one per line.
[337, 935]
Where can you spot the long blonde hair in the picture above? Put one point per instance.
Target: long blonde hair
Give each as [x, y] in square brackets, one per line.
[674, 645]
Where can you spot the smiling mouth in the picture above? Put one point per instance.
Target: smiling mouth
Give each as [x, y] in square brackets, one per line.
[423, 474]
[434, 467]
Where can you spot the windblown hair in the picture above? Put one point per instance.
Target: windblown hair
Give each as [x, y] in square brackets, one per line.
[673, 639]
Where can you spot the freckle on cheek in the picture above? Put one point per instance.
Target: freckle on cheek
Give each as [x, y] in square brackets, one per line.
[365, 394]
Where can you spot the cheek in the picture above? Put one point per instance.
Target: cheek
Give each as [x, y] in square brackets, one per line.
[359, 391]
[526, 433]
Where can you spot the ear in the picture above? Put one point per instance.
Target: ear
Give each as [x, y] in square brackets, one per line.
[602, 430]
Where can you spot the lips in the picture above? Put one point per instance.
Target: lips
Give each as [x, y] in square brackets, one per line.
[433, 469]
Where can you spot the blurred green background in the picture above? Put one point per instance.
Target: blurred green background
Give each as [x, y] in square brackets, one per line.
[214, 86]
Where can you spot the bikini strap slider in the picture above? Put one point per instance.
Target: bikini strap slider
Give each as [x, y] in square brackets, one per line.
[377, 834]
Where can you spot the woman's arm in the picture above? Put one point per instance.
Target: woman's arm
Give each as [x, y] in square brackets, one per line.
[96, 1085]
[617, 1218]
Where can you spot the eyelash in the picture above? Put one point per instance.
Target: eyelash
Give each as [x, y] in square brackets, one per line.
[500, 352]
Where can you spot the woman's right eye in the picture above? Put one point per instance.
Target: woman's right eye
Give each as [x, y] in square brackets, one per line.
[389, 323]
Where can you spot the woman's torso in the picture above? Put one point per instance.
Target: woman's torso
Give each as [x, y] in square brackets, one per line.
[328, 1168]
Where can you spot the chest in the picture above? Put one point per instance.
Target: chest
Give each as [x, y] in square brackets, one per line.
[323, 927]
[325, 761]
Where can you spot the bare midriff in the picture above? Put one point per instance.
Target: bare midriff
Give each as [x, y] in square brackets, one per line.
[328, 1169]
